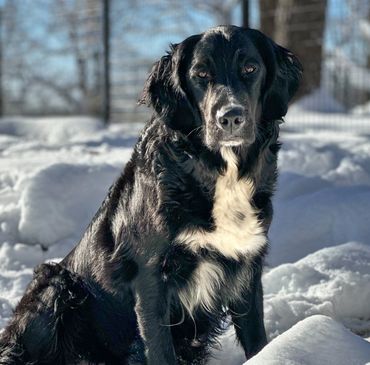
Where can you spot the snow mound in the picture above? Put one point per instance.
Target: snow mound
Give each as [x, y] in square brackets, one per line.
[313, 214]
[319, 100]
[323, 195]
[60, 200]
[333, 281]
[52, 130]
[363, 109]
[315, 340]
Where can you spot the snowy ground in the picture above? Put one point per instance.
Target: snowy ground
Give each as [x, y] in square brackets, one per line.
[55, 172]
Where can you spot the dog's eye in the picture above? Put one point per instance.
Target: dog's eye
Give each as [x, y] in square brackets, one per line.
[203, 74]
[249, 69]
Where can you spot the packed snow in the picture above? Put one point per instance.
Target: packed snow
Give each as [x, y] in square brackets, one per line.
[55, 172]
[315, 340]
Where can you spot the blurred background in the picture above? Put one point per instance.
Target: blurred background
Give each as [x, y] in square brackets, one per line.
[91, 57]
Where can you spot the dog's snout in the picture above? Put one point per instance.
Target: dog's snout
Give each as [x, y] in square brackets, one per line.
[231, 119]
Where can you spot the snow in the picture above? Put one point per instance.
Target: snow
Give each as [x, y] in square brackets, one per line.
[321, 101]
[68, 210]
[300, 120]
[325, 282]
[52, 130]
[54, 173]
[363, 109]
[315, 340]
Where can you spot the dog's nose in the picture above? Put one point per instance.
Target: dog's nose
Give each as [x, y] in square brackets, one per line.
[231, 119]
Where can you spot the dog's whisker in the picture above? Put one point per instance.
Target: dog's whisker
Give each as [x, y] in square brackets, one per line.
[194, 130]
[178, 323]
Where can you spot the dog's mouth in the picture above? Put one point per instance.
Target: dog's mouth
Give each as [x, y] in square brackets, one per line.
[215, 139]
[231, 142]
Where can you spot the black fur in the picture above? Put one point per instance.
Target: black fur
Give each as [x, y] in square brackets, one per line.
[115, 298]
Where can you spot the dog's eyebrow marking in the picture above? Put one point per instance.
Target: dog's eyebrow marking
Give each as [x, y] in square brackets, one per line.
[232, 237]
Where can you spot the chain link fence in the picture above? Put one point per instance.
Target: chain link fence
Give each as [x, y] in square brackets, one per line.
[60, 57]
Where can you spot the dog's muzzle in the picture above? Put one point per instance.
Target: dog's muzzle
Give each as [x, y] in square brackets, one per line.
[232, 121]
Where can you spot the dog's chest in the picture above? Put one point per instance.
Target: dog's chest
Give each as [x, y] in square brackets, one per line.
[237, 229]
[205, 280]
[212, 285]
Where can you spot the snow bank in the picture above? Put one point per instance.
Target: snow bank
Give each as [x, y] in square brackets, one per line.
[316, 340]
[334, 281]
[320, 101]
[60, 200]
[52, 130]
[306, 221]
[323, 195]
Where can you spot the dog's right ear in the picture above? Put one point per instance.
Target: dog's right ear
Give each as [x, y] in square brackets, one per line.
[165, 88]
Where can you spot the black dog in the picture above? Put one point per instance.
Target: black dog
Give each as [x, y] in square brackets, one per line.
[178, 244]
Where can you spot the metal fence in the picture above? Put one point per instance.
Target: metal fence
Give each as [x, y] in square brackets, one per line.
[82, 57]
[51, 57]
[137, 44]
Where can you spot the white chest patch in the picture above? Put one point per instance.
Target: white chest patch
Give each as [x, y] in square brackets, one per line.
[202, 287]
[238, 231]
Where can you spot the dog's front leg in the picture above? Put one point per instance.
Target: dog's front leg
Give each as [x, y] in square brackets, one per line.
[153, 315]
[247, 316]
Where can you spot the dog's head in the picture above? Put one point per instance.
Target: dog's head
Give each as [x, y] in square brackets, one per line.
[222, 85]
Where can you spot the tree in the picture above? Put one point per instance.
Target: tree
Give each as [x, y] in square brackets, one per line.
[48, 56]
[347, 55]
[298, 25]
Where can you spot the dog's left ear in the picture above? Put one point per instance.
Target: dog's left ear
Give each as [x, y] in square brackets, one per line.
[165, 87]
[284, 84]
[284, 73]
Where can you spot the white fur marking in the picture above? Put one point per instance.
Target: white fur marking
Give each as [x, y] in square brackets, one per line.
[232, 236]
[232, 143]
[204, 283]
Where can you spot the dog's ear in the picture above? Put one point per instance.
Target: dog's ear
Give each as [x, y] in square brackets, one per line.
[284, 84]
[165, 88]
[284, 73]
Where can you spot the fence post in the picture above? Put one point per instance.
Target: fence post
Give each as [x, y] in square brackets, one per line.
[106, 62]
[245, 13]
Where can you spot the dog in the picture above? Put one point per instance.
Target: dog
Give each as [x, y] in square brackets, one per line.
[178, 245]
